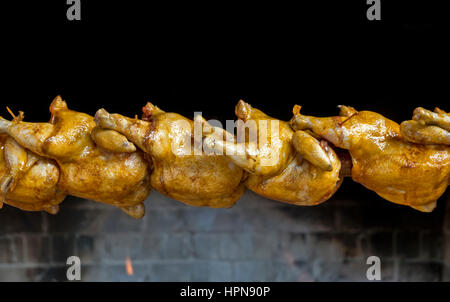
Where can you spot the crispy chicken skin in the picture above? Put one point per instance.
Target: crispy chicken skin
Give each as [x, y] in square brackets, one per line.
[427, 127]
[87, 170]
[290, 166]
[196, 179]
[266, 155]
[383, 160]
[28, 181]
[300, 183]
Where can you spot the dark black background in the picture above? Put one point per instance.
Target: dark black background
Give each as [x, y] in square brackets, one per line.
[205, 56]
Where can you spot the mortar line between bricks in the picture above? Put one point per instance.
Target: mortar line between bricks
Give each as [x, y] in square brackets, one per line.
[50, 252]
[396, 260]
[24, 248]
[19, 254]
[418, 261]
[192, 243]
[44, 220]
[421, 252]
[75, 245]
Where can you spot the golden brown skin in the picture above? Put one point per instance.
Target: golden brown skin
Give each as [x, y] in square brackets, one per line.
[383, 161]
[300, 183]
[291, 167]
[28, 181]
[198, 180]
[438, 118]
[272, 154]
[427, 127]
[111, 140]
[87, 171]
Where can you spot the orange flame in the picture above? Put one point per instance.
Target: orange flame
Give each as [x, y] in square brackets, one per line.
[129, 266]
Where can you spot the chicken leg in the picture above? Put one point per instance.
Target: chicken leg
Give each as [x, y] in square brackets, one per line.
[427, 127]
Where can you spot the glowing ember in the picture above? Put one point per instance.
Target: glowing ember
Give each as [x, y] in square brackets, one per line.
[128, 266]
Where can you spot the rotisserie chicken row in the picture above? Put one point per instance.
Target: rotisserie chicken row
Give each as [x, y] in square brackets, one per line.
[117, 160]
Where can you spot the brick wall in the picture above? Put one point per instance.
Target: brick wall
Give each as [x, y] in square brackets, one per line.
[256, 240]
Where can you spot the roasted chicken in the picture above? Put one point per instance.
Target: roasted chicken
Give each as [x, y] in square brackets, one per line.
[91, 166]
[181, 169]
[383, 160]
[28, 181]
[284, 165]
